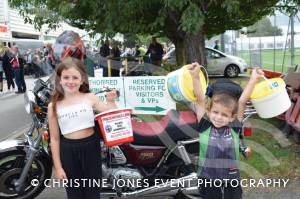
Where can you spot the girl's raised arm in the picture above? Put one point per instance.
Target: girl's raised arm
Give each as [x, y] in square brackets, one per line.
[110, 101]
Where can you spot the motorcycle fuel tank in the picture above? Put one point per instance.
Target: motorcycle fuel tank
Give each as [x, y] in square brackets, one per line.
[142, 155]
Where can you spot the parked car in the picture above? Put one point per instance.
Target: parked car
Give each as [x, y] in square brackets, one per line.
[218, 63]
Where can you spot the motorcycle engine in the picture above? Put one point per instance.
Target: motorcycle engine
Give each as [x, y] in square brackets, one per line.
[126, 173]
[116, 158]
[114, 155]
[120, 173]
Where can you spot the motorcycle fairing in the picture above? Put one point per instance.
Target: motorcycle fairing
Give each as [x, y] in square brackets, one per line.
[8, 145]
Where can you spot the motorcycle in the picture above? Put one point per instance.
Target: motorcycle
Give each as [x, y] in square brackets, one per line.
[24, 160]
[166, 150]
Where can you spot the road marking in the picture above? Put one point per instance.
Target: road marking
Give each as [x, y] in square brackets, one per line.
[17, 133]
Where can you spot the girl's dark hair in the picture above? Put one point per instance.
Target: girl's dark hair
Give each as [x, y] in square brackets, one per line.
[58, 93]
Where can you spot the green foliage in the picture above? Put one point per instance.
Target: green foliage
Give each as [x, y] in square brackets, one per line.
[144, 39]
[263, 28]
[289, 6]
[176, 4]
[144, 16]
[192, 19]
[182, 21]
[130, 40]
[231, 6]
[40, 11]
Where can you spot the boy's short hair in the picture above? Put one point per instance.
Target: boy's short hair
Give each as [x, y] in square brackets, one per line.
[226, 99]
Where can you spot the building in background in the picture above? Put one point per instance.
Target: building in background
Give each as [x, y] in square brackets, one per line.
[12, 26]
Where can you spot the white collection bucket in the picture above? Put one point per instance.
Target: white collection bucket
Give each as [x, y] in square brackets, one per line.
[116, 126]
[273, 98]
[180, 85]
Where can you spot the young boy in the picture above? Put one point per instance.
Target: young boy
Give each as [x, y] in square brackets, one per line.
[218, 140]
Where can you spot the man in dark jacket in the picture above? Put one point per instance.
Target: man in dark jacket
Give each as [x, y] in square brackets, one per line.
[104, 52]
[156, 52]
[8, 69]
[104, 49]
[18, 67]
[115, 55]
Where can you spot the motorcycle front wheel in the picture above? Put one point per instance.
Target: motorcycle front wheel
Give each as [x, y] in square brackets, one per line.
[11, 165]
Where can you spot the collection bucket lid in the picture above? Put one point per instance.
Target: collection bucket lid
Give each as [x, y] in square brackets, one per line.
[113, 111]
[267, 88]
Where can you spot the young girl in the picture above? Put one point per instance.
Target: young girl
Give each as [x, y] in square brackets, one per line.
[74, 144]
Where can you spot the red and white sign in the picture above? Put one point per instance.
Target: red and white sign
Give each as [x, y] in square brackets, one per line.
[116, 126]
[3, 28]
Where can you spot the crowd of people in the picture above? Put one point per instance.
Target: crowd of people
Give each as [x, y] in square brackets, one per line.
[14, 65]
[40, 62]
[111, 50]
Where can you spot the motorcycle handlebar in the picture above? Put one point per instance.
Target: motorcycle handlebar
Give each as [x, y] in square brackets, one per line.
[107, 90]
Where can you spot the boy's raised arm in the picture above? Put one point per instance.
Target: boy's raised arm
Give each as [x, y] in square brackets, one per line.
[200, 100]
[256, 74]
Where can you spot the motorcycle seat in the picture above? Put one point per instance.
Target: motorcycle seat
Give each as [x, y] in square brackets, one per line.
[172, 127]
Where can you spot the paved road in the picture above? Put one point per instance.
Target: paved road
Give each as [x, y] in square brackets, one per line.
[13, 117]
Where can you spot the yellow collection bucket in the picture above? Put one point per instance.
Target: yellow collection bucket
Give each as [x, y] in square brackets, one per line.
[180, 84]
[270, 98]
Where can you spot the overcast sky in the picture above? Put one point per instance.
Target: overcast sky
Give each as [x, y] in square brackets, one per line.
[283, 21]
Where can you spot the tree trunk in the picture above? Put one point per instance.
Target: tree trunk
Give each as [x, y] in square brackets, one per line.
[190, 49]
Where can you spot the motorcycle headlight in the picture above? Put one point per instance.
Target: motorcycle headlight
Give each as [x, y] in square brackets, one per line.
[29, 99]
[44, 95]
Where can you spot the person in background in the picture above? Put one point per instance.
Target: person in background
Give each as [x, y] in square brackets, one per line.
[218, 140]
[75, 146]
[49, 56]
[36, 63]
[17, 63]
[28, 62]
[216, 46]
[156, 52]
[1, 71]
[104, 52]
[137, 51]
[7, 68]
[115, 56]
[104, 49]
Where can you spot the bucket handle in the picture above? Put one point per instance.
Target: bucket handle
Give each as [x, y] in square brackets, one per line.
[205, 73]
[269, 82]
